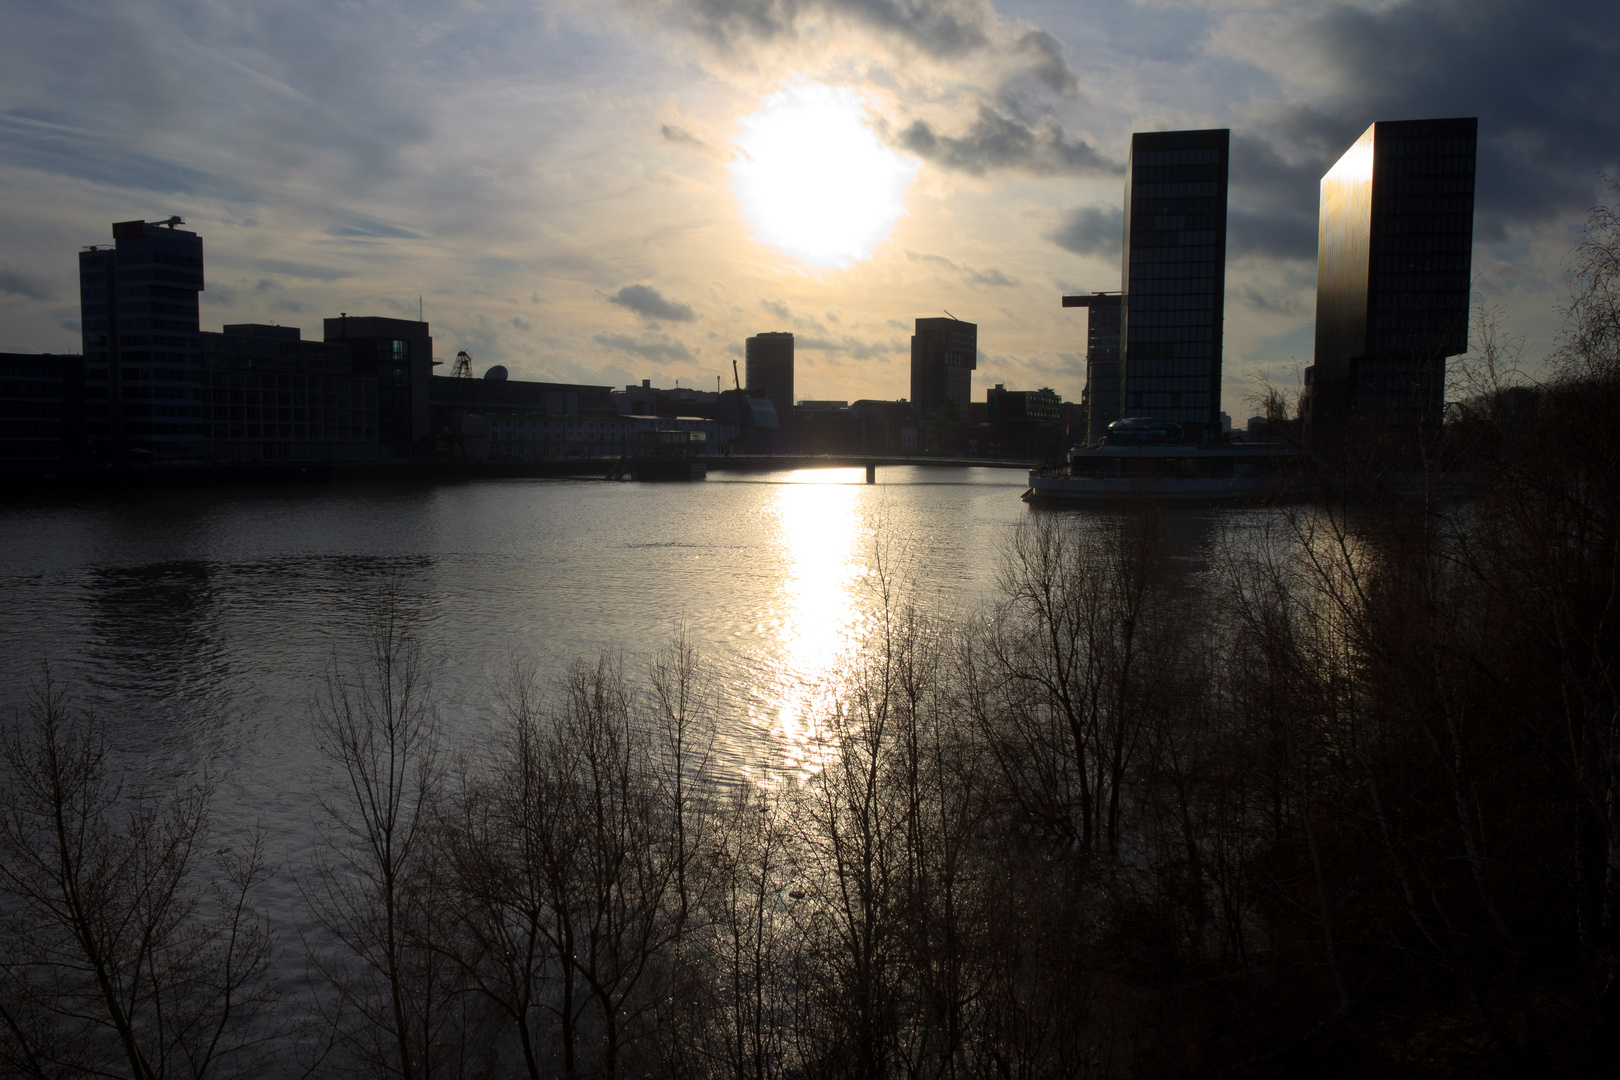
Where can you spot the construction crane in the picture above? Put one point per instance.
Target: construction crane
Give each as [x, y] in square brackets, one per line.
[734, 377]
[463, 368]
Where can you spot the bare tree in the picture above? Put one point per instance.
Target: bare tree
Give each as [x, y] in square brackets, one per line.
[126, 949]
[370, 889]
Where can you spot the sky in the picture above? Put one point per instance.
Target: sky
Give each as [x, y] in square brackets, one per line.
[570, 188]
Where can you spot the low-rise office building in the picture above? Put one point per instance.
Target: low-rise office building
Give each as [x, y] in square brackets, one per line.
[269, 396]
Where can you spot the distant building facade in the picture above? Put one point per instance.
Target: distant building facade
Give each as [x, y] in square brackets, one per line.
[271, 397]
[398, 353]
[1393, 257]
[1174, 278]
[41, 410]
[768, 368]
[138, 313]
[944, 355]
[1102, 360]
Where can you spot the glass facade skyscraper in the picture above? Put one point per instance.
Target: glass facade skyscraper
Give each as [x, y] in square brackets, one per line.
[143, 382]
[1393, 257]
[944, 354]
[1102, 360]
[1174, 278]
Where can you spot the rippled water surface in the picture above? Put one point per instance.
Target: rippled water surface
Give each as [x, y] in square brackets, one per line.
[198, 623]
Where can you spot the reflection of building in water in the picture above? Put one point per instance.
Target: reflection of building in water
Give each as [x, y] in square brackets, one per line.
[1392, 280]
[270, 396]
[143, 375]
[1101, 400]
[1174, 277]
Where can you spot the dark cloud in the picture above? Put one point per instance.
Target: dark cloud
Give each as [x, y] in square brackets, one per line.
[1281, 235]
[682, 138]
[1539, 77]
[778, 308]
[651, 350]
[996, 142]
[942, 28]
[1092, 230]
[648, 301]
[27, 286]
[1047, 65]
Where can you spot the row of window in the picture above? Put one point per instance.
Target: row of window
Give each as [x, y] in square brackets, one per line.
[1188, 312]
[1169, 369]
[1210, 156]
[1184, 190]
[1204, 332]
[1430, 185]
[1146, 385]
[1428, 146]
[1426, 205]
[344, 432]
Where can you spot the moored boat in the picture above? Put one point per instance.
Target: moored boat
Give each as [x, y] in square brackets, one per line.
[1145, 460]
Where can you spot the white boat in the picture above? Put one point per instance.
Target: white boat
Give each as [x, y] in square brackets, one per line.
[1144, 460]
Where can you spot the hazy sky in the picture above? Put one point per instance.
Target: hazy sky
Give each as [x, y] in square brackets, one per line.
[556, 180]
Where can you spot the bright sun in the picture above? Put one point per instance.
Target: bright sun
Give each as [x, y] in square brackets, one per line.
[812, 178]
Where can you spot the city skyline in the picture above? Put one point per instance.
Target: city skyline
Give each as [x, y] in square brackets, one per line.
[557, 184]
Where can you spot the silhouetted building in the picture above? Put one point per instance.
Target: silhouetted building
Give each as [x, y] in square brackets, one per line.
[516, 420]
[944, 354]
[1025, 423]
[138, 311]
[768, 366]
[271, 397]
[1174, 278]
[399, 354]
[1392, 277]
[41, 410]
[1102, 360]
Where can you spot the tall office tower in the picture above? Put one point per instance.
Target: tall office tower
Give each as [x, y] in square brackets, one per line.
[399, 352]
[768, 362]
[1174, 278]
[142, 370]
[1102, 360]
[1392, 274]
[944, 354]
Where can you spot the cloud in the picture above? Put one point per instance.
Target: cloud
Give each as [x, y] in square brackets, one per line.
[942, 28]
[649, 302]
[1092, 230]
[992, 276]
[682, 137]
[1540, 80]
[778, 308]
[27, 286]
[651, 350]
[996, 142]
[852, 347]
[365, 228]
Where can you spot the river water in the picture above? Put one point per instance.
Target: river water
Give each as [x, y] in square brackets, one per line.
[198, 624]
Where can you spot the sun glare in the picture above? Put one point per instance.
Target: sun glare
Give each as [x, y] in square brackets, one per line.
[813, 179]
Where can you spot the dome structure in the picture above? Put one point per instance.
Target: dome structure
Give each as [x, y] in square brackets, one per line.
[498, 373]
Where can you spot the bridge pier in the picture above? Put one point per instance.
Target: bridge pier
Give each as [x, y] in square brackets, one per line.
[871, 474]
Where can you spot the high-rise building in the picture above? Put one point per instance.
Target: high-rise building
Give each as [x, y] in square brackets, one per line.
[1102, 360]
[768, 362]
[399, 352]
[944, 354]
[142, 369]
[1392, 277]
[1174, 278]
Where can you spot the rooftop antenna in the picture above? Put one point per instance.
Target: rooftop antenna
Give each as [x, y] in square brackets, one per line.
[952, 316]
[418, 307]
